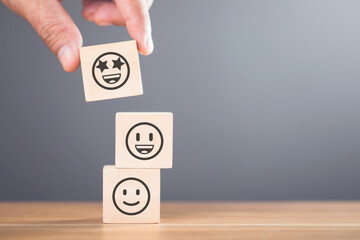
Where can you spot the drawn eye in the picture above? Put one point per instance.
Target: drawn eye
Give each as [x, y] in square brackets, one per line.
[102, 65]
[117, 63]
[151, 137]
[124, 192]
[138, 137]
[137, 192]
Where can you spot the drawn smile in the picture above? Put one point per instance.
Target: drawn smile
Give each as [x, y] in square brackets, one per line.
[144, 148]
[131, 204]
[112, 78]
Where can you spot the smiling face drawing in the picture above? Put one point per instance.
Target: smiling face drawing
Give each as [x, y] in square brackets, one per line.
[111, 70]
[131, 196]
[144, 141]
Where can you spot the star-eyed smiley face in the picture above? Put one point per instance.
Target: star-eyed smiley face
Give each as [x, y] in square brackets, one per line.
[144, 141]
[111, 70]
[131, 196]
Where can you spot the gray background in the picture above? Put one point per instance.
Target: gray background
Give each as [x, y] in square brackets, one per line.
[265, 96]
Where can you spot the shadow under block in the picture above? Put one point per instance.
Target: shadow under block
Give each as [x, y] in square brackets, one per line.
[111, 71]
[144, 140]
[131, 195]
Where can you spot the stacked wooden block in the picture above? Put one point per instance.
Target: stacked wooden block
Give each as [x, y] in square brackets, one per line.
[131, 188]
[144, 141]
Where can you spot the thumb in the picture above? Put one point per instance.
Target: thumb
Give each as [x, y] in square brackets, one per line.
[56, 29]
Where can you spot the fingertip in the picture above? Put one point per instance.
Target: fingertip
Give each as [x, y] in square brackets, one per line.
[88, 15]
[69, 58]
[71, 69]
[90, 9]
[145, 51]
[72, 65]
[108, 14]
[148, 46]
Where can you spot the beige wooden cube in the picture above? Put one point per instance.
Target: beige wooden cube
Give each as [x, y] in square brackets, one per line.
[131, 195]
[144, 140]
[111, 71]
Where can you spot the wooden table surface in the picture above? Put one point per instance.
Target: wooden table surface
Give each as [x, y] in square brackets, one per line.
[185, 220]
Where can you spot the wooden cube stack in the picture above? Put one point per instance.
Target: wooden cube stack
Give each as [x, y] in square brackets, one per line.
[144, 141]
[143, 144]
[131, 187]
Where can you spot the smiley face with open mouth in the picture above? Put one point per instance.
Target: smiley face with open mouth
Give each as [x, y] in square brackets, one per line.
[144, 141]
[131, 196]
[111, 70]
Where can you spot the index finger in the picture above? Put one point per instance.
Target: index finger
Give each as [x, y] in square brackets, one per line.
[135, 13]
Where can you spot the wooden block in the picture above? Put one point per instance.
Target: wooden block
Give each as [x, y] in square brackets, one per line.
[131, 195]
[144, 140]
[111, 71]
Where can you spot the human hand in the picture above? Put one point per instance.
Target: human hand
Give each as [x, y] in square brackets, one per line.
[56, 28]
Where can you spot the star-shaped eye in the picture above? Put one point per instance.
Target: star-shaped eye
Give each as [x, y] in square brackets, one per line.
[102, 66]
[118, 63]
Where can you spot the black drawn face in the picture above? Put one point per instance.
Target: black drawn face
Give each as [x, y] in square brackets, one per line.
[144, 141]
[111, 70]
[131, 196]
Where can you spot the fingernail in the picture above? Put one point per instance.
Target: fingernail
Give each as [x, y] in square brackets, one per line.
[149, 43]
[64, 55]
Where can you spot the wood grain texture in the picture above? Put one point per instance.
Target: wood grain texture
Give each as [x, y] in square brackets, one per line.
[199, 220]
